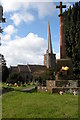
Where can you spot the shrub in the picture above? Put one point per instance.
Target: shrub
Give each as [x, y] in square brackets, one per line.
[5, 73]
[49, 74]
[14, 78]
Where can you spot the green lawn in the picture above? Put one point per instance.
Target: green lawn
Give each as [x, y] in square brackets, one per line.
[39, 105]
[16, 88]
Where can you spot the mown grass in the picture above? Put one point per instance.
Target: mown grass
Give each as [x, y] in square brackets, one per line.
[39, 105]
[16, 88]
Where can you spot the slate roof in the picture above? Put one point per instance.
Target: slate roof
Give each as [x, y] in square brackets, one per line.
[14, 69]
[35, 70]
[23, 68]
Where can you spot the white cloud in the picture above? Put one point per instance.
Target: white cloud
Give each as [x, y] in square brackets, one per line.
[44, 8]
[19, 17]
[29, 49]
[6, 37]
[12, 5]
[10, 30]
[21, 10]
[16, 18]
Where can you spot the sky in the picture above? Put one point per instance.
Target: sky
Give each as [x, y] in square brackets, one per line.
[24, 40]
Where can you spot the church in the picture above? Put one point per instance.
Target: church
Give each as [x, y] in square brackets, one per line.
[30, 71]
[50, 61]
[37, 70]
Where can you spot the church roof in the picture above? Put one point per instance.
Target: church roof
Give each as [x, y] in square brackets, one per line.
[14, 69]
[35, 70]
[23, 68]
[49, 44]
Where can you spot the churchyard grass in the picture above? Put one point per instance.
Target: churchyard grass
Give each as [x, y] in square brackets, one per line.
[16, 88]
[18, 104]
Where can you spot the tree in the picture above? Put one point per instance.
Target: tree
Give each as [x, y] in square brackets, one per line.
[5, 73]
[4, 68]
[14, 78]
[72, 36]
[48, 74]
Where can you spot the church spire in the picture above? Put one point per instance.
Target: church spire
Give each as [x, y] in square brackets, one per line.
[49, 57]
[49, 44]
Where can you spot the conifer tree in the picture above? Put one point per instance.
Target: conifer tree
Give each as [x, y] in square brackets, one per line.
[72, 36]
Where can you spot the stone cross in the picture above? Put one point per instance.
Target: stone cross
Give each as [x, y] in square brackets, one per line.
[62, 36]
[61, 6]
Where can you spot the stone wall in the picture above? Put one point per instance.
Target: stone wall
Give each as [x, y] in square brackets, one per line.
[42, 89]
[50, 83]
[53, 86]
[67, 83]
[64, 89]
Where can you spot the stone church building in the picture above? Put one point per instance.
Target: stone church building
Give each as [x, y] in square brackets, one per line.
[27, 71]
[49, 57]
[36, 70]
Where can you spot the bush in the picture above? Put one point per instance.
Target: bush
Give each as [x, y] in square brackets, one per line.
[14, 78]
[49, 74]
[5, 73]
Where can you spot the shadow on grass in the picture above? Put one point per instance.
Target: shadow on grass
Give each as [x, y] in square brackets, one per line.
[5, 90]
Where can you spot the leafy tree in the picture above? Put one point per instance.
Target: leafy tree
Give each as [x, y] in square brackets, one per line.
[48, 74]
[72, 36]
[3, 68]
[14, 78]
[5, 73]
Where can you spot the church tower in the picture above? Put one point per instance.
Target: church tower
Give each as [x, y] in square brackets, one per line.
[49, 57]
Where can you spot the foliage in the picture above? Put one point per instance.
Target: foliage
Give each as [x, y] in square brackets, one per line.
[72, 36]
[5, 73]
[48, 74]
[14, 78]
[37, 79]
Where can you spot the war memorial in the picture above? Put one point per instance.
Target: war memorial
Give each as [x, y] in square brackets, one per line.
[63, 65]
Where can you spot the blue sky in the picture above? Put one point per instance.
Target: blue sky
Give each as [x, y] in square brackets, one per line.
[24, 40]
